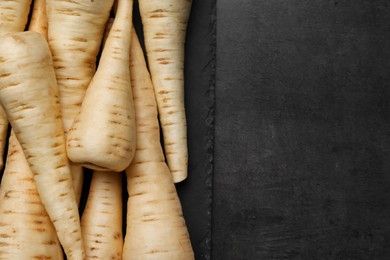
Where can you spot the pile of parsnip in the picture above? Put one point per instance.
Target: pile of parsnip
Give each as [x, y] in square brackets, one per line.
[67, 113]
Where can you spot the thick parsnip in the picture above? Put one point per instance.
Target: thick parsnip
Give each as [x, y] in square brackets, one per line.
[102, 136]
[165, 24]
[38, 22]
[13, 18]
[75, 34]
[156, 228]
[26, 231]
[29, 95]
[101, 223]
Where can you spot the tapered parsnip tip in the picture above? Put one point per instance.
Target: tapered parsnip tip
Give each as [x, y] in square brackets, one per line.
[164, 26]
[179, 176]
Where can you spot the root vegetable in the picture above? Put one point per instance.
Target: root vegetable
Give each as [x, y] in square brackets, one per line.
[75, 34]
[29, 95]
[13, 18]
[165, 24]
[26, 231]
[101, 223]
[156, 227]
[102, 136]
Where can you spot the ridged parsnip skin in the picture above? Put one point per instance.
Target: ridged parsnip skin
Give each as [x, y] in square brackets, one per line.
[164, 25]
[29, 95]
[13, 18]
[155, 227]
[101, 223]
[75, 34]
[38, 22]
[14, 15]
[102, 136]
[26, 231]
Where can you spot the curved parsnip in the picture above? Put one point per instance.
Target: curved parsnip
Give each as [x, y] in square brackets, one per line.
[13, 18]
[75, 34]
[26, 231]
[101, 223]
[29, 95]
[102, 136]
[156, 228]
[38, 22]
[165, 24]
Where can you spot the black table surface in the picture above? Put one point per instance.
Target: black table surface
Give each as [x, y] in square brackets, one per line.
[289, 129]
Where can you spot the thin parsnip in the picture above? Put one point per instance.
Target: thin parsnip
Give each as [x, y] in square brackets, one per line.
[102, 136]
[75, 33]
[13, 18]
[30, 97]
[38, 21]
[26, 231]
[101, 222]
[165, 24]
[155, 227]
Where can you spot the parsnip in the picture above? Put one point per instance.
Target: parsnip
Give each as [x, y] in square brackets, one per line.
[101, 222]
[155, 227]
[38, 21]
[13, 18]
[26, 231]
[75, 33]
[165, 24]
[102, 136]
[29, 95]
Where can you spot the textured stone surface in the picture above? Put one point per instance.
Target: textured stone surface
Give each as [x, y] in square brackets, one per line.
[302, 130]
[195, 193]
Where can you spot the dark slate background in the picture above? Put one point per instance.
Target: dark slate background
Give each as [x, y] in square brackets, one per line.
[196, 192]
[302, 130]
